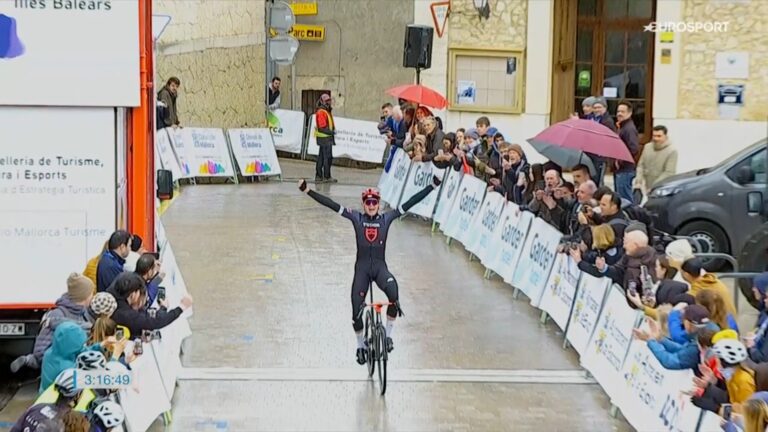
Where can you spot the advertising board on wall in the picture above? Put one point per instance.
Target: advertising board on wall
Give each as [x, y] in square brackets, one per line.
[254, 152]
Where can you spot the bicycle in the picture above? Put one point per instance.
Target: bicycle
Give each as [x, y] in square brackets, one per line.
[376, 339]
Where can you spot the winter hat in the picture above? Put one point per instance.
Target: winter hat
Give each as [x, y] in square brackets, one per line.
[472, 133]
[103, 303]
[636, 226]
[589, 101]
[600, 100]
[761, 282]
[79, 287]
[517, 149]
[679, 251]
[696, 314]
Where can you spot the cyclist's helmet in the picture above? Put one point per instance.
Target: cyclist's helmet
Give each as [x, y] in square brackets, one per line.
[109, 413]
[90, 360]
[65, 383]
[371, 193]
[731, 351]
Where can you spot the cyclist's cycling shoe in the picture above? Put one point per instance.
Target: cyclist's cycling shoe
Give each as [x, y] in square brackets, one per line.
[390, 344]
[362, 355]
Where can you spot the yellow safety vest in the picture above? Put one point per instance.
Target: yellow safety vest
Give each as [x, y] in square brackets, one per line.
[51, 396]
[331, 126]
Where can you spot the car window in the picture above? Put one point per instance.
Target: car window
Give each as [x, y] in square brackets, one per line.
[756, 162]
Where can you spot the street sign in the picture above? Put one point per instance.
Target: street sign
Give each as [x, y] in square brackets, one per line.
[440, 11]
[305, 32]
[304, 8]
[282, 49]
[281, 17]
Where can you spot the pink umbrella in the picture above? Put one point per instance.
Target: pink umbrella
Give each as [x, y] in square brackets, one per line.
[420, 94]
[566, 142]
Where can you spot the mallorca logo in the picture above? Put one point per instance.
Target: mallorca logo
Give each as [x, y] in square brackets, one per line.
[273, 123]
[10, 44]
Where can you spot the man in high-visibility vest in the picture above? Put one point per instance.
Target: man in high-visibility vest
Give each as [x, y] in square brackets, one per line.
[325, 130]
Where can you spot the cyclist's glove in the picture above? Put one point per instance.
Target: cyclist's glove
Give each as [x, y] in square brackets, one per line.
[303, 185]
[436, 181]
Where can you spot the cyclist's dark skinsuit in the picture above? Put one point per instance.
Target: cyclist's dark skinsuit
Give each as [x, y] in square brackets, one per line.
[371, 265]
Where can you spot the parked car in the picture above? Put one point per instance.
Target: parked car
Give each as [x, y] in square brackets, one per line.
[719, 206]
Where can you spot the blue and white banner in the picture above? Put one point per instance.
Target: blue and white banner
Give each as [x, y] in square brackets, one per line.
[419, 177]
[586, 311]
[448, 194]
[509, 240]
[536, 260]
[609, 344]
[465, 207]
[484, 225]
[560, 290]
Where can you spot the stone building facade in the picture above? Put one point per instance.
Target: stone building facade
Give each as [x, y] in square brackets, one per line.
[217, 50]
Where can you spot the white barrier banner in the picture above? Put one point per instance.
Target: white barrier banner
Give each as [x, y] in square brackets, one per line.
[560, 290]
[386, 176]
[254, 152]
[145, 400]
[287, 128]
[181, 150]
[355, 139]
[586, 311]
[164, 149]
[207, 152]
[465, 207]
[399, 173]
[609, 344]
[536, 260]
[650, 397]
[509, 239]
[448, 195]
[485, 225]
[420, 177]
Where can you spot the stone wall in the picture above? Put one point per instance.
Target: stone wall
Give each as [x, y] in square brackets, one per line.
[747, 31]
[216, 49]
[505, 28]
[360, 58]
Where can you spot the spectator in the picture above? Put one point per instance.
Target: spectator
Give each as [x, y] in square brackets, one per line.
[93, 264]
[756, 340]
[445, 154]
[586, 109]
[580, 174]
[385, 121]
[753, 416]
[495, 158]
[609, 211]
[113, 260]
[434, 140]
[137, 248]
[148, 267]
[715, 304]
[565, 191]
[637, 253]
[76, 422]
[515, 168]
[70, 307]
[668, 292]
[486, 133]
[130, 291]
[693, 273]
[103, 304]
[471, 141]
[167, 98]
[624, 175]
[68, 341]
[460, 135]
[396, 135]
[325, 136]
[545, 205]
[657, 162]
[601, 115]
[46, 417]
[273, 94]
[739, 377]
[584, 195]
[670, 354]
[677, 253]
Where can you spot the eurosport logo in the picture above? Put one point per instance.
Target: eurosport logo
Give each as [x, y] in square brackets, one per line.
[10, 44]
[687, 27]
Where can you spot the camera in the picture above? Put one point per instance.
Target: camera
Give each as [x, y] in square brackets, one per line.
[148, 336]
[119, 334]
[161, 294]
[138, 349]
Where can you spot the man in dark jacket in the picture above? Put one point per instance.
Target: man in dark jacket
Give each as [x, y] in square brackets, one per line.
[325, 132]
[113, 259]
[624, 174]
[130, 291]
[167, 100]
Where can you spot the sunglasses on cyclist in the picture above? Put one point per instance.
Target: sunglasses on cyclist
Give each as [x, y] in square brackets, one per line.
[371, 202]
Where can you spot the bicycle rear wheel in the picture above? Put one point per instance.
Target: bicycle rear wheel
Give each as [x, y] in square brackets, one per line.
[382, 357]
[369, 340]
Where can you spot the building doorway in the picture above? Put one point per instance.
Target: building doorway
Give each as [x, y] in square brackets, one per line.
[601, 49]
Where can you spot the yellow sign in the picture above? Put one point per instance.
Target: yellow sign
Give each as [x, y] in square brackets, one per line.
[667, 37]
[304, 8]
[305, 32]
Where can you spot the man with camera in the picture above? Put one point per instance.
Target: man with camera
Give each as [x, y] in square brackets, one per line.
[547, 203]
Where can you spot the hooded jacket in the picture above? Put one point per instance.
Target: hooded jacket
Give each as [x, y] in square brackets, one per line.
[710, 281]
[68, 341]
[66, 310]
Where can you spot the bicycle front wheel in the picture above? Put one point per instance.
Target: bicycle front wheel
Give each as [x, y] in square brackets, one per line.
[369, 338]
[381, 359]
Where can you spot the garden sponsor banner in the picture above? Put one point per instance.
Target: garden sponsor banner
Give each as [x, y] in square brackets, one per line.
[448, 194]
[465, 207]
[398, 173]
[207, 152]
[609, 344]
[164, 149]
[560, 290]
[182, 151]
[509, 240]
[485, 224]
[420, 177]
[355, 139]
[536, 260]
[586, 311]
[254, 152]
[287, 128]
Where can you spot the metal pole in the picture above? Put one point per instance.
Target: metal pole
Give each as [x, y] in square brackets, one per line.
[268, 65]
[293, 83]
[418, 75]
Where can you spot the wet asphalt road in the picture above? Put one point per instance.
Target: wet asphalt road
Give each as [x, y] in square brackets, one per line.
[273, 348]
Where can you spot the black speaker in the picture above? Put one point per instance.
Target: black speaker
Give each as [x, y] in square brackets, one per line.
[164, 184]
[417, 52]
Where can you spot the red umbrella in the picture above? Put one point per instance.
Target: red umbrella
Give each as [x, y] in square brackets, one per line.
[566, 142]
[419, 94]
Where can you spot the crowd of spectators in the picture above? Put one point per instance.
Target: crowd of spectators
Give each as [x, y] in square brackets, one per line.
[100, 323]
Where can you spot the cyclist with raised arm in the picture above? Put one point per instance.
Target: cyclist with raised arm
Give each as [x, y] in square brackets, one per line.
[371, 230]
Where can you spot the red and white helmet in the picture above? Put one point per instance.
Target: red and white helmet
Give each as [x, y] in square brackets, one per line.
[371, 193]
